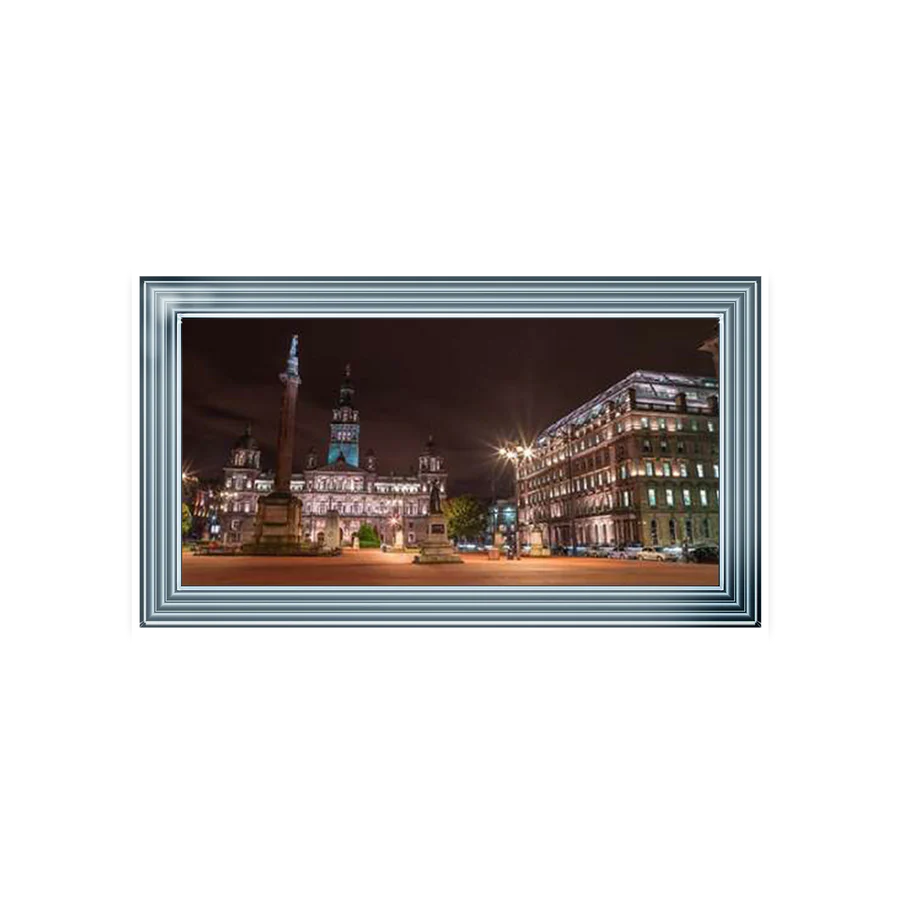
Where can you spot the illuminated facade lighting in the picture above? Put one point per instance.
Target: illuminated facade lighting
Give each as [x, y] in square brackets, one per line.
[600, 473]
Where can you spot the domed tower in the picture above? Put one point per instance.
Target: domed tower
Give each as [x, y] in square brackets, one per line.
[345, 425]
[239, 500]
[431, 466]
[371, 461]
[245, 451]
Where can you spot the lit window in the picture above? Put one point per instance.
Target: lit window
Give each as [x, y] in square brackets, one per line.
[670, 497]
[682, 468]
[715, 470]
[686, 494]
[694, 425]
[651, 496]
[648, 468]
[662, 424]
[667, 470]
[625, 498]
[703, 498]
[645, 422]
[699, 470]
[711, 425]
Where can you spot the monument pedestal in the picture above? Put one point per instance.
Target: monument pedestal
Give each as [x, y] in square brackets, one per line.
[277, 526]
[537, 544]
[332, 530]
[437, 548]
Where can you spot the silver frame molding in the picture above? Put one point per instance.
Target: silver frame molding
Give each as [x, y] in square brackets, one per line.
[164, 601]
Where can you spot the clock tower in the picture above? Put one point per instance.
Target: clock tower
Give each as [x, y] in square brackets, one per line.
[345, 425]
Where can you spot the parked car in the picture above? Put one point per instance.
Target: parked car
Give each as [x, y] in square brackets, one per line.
[673, 552]
[654, 553]
[708, 553]
[625, 551]
[599, 551]
[468, 547]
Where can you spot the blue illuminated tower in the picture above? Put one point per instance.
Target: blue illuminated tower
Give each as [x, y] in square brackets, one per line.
[345, 426]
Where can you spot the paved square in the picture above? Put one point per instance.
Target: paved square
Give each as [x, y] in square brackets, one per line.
[372, 567]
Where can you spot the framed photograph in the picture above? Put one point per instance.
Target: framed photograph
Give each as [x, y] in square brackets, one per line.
[450, 451]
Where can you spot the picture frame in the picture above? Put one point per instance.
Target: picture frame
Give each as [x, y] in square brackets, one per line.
[165, 302]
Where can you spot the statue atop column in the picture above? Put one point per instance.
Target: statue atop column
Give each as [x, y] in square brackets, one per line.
[293, 361]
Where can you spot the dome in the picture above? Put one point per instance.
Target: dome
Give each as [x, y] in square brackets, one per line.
[246, 441]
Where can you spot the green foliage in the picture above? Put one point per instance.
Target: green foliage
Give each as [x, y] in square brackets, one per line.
[466, 517]
[368, 536]
[186, 520]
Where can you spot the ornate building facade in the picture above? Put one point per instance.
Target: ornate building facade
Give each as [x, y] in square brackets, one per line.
[359, 494]
[638, 463]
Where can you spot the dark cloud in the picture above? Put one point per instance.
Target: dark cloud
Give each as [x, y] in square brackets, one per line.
[469, 382]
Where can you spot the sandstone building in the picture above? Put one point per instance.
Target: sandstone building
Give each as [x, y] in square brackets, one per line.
[638, 463]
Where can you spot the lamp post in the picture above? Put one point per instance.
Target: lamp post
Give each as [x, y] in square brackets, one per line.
[515, 453]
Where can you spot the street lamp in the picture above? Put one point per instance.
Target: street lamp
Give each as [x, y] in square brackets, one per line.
[515, 453]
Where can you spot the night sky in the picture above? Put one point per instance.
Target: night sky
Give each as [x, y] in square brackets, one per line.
[470, 382]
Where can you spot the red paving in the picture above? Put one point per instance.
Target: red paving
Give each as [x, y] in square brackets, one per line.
[372, 567]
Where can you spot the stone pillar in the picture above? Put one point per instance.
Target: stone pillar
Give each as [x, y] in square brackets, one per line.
[277, 527]
[287, 424]
[332, 530]
[537, 543]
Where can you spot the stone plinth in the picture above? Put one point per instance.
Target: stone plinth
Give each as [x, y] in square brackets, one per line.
[332, 530]
[277, 524]
[537, 544]
[437, 548]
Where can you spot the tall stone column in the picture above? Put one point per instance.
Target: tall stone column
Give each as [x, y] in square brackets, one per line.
[277, 528]
[290, 378]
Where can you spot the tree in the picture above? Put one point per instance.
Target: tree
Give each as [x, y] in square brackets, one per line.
[186, 520]
[466, 517]
[368, 536]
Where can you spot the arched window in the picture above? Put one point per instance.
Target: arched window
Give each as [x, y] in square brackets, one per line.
[654, 532]
[673, 534]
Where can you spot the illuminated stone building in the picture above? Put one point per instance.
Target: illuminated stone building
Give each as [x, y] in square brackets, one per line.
[638, 463]
[359, 493]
